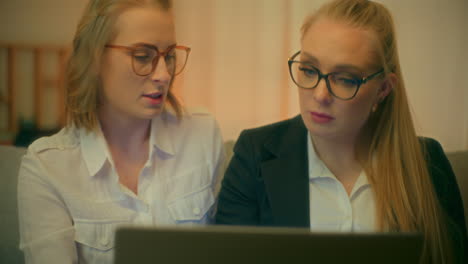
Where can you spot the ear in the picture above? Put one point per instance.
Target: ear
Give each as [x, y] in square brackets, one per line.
[387, 86]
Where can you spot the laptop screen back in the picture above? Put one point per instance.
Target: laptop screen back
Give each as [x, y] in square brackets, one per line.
[226, 244]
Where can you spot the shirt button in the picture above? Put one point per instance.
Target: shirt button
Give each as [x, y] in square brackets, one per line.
[142, 207]
[196, 211]
[104, 241]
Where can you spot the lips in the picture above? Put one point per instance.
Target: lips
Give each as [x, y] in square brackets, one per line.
[154, 98]
[153, 95]
[321, 118]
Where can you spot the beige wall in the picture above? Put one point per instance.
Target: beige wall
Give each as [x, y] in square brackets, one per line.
[433, 41]
[39, 21]
[237, 68]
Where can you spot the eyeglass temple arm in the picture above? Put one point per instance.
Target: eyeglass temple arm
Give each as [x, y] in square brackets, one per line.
[370, 77]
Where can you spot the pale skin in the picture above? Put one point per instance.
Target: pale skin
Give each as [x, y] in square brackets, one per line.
[124, 113]
[333, 46]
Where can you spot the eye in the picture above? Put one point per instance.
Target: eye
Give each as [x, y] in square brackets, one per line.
[170, 57]
[143, 55]
[345, 80]
[308, 72]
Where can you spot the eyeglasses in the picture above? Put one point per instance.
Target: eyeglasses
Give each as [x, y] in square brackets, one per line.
[342, 85]
[145, 58]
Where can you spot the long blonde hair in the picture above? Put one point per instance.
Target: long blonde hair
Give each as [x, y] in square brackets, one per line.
[393, 157]
[94, 30]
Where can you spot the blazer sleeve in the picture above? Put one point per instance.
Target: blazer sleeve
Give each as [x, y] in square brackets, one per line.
[448, 194]
[237, 204]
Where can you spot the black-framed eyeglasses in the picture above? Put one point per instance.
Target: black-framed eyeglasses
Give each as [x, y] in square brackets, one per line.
[342, 85]
[145, 58]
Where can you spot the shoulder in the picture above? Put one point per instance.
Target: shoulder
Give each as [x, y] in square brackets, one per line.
[66, 138]
[430, 144]
[433, 153]
[198, 126]
[277, 130]
[438, 164]
[49, 154]
[198, 123]
[265, 142]
[199, 117]
[191, 118]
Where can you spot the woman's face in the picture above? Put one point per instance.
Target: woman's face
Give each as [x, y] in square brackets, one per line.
[125, 94]
[337, 47]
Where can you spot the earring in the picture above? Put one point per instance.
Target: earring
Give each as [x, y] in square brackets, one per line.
[374, 108]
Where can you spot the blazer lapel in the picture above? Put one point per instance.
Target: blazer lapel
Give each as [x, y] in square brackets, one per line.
[286, 176]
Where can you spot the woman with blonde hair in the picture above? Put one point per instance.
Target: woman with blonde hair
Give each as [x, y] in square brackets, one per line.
[351, 161]
[126, 156]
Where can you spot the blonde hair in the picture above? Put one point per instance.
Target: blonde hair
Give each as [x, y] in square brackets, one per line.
[388, 148]
[94, 31]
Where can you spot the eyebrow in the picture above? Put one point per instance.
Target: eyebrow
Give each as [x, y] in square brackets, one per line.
[309, 57]
[151, 46]
[336, 68]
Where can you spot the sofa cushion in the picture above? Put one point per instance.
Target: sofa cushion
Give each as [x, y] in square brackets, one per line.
[10, 158]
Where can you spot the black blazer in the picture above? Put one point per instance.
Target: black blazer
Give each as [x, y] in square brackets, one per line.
[267, 180]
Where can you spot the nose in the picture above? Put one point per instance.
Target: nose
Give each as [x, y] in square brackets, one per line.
[161, 72]
[321, 92]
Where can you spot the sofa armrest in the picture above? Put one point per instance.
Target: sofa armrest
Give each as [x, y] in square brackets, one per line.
[459, 162]
[10, 159]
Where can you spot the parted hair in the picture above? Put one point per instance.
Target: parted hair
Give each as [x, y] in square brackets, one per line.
[388, 147]
[94, 31]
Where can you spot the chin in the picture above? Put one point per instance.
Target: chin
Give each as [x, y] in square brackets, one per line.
[318, 130]
[149, 114]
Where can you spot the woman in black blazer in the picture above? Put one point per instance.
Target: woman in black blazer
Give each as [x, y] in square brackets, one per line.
[351, 161]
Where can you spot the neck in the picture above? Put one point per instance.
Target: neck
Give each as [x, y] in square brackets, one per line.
[124, 134]
[339, 156]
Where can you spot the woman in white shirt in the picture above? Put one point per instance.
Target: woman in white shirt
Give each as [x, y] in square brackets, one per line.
[351, 161]
[130, 154]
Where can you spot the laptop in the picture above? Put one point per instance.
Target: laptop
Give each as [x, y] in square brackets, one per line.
[229, 244]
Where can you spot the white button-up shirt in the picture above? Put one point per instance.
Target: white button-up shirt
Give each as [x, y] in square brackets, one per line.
[331, 209]
[70, 200]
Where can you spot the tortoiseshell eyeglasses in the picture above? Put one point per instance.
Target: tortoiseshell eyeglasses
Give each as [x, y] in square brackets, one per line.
[145, 58]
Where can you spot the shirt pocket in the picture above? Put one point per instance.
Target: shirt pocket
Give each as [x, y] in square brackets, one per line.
[95, 235]
[95, 240]
[95, 223]
[190, 195]
[192, 208]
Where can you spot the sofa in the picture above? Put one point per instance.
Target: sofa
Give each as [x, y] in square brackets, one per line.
[10, 158]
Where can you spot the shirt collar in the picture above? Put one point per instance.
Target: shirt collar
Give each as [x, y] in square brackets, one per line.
[317, 168]
[360, 183]
[94, 149]
[162, 131]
